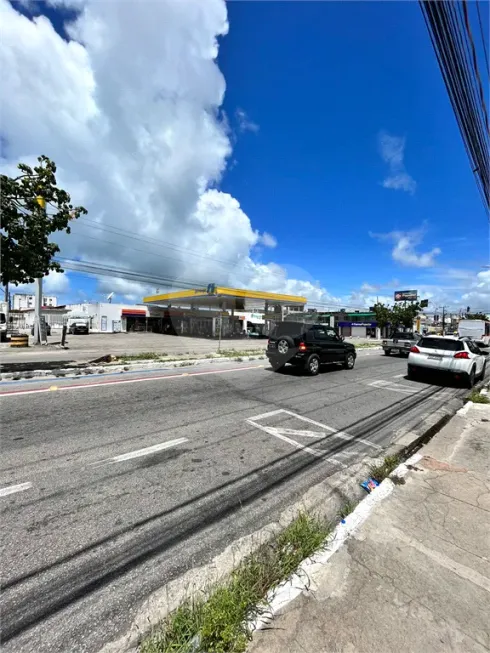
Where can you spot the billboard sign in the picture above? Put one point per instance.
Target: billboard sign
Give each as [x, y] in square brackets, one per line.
[405, 295]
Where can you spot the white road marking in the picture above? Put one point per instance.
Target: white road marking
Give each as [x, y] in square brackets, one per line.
[12, 489]
[143, 452]
[336, 434]
[399, 376]
[162, 377]
[306, 434]
[276, 433]
[393, 387]
[271, 414]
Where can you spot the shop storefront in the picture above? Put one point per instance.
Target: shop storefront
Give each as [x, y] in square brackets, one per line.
[358, 329]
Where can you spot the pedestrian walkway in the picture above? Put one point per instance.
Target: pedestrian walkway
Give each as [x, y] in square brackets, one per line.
[416, 576]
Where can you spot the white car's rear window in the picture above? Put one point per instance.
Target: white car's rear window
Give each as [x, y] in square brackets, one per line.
[441, 343]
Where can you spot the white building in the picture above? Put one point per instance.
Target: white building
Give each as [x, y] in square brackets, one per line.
[112, 318]
[22, 301]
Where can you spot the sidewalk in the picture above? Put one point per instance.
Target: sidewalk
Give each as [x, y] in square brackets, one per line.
[416, 576]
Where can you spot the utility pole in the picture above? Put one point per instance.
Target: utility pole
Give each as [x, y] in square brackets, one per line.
[37, 309]
[443, 318]
[39, 288]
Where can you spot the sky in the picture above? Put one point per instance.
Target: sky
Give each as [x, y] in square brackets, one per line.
[300, 147]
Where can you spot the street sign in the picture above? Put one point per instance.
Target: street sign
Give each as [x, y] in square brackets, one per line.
[405, 295]
[424, 303]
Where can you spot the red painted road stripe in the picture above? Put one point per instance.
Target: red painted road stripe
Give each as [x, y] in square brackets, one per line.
[77, 386]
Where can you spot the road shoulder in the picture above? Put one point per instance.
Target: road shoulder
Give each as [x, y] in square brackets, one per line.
[416, 575]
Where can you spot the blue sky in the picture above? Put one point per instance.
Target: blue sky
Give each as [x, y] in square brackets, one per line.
[322, 80]
[335, 164]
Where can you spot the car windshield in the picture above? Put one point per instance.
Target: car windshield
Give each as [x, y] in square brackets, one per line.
[441, 343]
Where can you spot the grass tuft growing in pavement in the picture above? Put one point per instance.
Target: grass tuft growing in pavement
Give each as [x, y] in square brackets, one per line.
[143, 356]
[477, 398]
[346, 509]
[234, 353]
[219, 623]
[382, 471]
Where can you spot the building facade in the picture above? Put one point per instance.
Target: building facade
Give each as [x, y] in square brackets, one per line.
[21, 301]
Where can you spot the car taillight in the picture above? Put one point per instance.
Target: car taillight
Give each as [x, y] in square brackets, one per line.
[461, 354]
[302, 346]
[415, 350]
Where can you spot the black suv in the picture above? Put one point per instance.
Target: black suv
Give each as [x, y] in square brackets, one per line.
[308, 346]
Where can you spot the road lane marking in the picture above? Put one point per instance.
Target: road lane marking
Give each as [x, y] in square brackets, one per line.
[276, 433]
[11, 489]
[82, 386]
[393, 387]
[143, 452]
[335, 433]
[399, 376]
[271, 414]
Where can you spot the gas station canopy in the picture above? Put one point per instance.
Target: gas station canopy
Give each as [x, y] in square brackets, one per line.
[219, 297]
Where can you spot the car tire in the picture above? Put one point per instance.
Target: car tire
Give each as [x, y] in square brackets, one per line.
[470, 379]
[387, 352]
[411, 373]
[284, 344]
[312, 365]
[350, 361]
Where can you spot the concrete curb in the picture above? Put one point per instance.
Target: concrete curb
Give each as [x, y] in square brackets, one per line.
[309, 571]
[72, 372]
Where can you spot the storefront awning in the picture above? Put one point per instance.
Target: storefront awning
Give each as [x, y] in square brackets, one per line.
[133, 312]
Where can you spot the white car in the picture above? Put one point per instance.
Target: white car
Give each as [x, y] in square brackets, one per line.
[460, 358]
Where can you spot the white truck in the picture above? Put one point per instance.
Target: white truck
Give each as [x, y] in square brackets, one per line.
[475, 330]
[400, 342]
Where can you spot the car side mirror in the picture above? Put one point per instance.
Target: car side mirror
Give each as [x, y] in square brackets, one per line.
[484, 353]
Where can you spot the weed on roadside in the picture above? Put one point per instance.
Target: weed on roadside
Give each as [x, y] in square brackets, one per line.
[477, 398]
[234, 353]
[346, 509]
[219, 624]
[382, 471]
[143, 356]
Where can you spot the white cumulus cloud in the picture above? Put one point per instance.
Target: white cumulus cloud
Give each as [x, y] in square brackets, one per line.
[404, 248]
[392, 151]
[130, 111]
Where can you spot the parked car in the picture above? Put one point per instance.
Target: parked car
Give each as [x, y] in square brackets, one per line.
[48, 330]
[78, 326]
[308, 346]
[400, 343]
[459, 358]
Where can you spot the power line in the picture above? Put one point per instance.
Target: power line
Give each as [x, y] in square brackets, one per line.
[451, 37]
[480, 22]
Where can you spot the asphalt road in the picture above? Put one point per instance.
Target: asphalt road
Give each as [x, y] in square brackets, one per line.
[92, 524]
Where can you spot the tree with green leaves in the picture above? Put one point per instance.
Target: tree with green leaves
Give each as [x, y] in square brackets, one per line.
[404, 314]
[476, 316]
[384, 315]
[32, 208]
